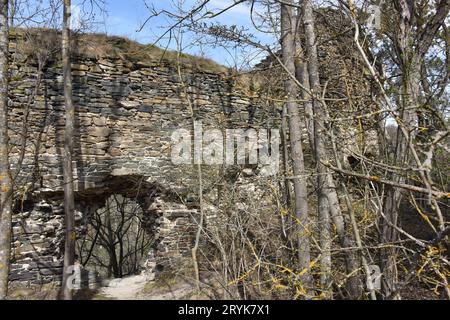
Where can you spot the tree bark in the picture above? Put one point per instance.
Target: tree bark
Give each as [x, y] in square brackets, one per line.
[69, 202]
[319, 147]
[287, 184]
[288, 25]
[303, 77]
[328, 207]
[5, 173]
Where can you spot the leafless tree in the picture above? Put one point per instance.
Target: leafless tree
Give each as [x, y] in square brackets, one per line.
[5, 174]
[114, 240]
[329, 206]
[288, 44]
[69, 197]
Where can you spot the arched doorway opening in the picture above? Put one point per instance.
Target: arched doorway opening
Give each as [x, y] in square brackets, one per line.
[116, 238]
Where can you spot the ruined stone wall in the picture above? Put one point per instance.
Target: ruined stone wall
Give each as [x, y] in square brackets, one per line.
[125, 112]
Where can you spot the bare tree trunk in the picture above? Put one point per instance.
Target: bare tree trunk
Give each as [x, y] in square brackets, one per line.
[69, 202]
[394, 196]
[391, 206]
[412, 38]
[5, 174]
[410, 88]
[302, 75]
[329, 207]
[410, 59]
[319, 147]
[288, 24]
[286, 224]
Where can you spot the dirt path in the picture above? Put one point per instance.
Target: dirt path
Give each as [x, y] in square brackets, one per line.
[125, 288]
[132, 288]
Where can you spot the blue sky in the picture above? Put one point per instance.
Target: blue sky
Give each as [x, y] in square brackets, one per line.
[124, 17]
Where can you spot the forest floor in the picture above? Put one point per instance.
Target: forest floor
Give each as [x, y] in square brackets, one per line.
[140, 288]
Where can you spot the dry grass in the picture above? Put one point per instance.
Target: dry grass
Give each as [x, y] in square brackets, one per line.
[100, 46]
[44, 292]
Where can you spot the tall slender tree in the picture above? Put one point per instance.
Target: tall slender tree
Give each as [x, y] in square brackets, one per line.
[288, 29]
[69, 202]
[329, 208]
[319, 146]
[5, 174]
[414, 35]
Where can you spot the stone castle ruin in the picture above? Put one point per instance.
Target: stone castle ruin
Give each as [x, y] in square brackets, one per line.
[126, 112]
[129, 99]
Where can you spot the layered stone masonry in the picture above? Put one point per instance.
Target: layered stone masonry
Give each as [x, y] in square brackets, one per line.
[125, 114]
